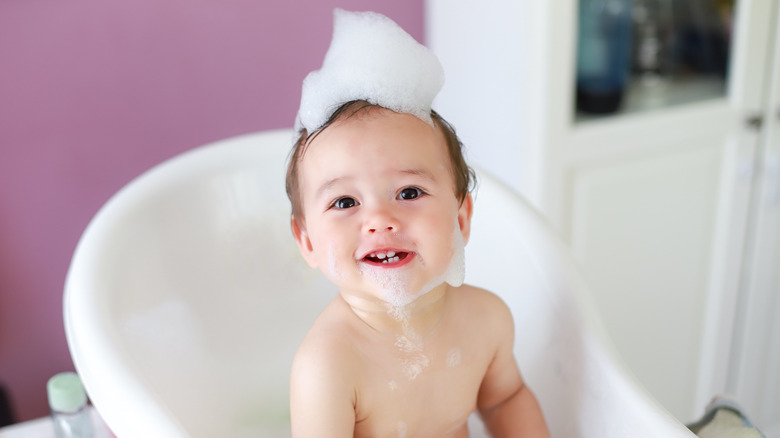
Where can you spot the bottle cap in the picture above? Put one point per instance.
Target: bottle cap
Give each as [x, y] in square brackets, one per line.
[66, 392]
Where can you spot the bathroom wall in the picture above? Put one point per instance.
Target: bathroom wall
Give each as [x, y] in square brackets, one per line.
[92, 93]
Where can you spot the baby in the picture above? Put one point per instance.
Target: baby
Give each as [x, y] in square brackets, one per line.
[381, 204]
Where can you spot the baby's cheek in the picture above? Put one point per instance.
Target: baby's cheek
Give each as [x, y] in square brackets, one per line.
[330, 265]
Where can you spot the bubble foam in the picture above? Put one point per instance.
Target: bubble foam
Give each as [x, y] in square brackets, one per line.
[456, 270]
[370, 58]
[395, 286]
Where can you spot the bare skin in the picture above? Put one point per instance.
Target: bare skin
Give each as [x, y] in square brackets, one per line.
[375, 186]
[468, 342]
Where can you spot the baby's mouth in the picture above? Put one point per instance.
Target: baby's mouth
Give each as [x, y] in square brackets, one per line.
[386, 257]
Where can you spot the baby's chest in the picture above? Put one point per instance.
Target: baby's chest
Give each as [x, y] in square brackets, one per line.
[424, 394]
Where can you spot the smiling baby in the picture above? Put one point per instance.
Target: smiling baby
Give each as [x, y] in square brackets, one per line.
[381, 204]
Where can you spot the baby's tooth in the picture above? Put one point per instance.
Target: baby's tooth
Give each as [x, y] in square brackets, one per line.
[381, 255]
[395, 259]
[372, 255]
[391, 253]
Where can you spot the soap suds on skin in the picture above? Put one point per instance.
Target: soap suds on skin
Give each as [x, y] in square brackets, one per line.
[401, 429]
[453, 358]
[395, 290]
[456, 271]
[410, 344]
[332, 265]
[394, 285]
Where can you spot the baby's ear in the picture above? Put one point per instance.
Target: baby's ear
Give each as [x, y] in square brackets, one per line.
[304, 242]
[464, 216]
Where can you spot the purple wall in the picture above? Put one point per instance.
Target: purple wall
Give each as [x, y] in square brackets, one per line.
[94, 92]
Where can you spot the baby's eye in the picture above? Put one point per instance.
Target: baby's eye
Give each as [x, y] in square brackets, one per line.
[410, 193]
[345, 202]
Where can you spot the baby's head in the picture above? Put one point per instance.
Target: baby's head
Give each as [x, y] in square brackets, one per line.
[463, 177]
[371, 62]
[379, 188]
[382, 203]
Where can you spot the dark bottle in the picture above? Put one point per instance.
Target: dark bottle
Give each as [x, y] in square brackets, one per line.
[603, 54]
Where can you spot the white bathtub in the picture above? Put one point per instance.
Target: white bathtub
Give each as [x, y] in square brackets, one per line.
[186, 300]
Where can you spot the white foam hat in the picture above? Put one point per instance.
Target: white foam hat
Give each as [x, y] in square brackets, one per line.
[370, 58]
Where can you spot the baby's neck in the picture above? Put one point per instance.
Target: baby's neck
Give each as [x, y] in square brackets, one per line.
[420, 316]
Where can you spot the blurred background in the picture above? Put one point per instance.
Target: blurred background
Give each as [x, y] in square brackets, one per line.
[646, 131]
[92, 94]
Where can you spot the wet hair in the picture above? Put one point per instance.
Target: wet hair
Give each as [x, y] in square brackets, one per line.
[463, 175]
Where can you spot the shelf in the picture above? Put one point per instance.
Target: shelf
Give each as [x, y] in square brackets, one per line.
[649, 94]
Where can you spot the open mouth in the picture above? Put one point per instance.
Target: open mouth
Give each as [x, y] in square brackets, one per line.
[386, 257]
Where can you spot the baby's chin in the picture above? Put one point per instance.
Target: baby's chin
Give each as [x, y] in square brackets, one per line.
[393, 286]
[400, 288]
[402, 299]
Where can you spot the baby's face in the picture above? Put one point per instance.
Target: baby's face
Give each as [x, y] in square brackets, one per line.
[381, 217]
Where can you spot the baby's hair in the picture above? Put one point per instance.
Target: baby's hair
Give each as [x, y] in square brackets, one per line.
[463, 175]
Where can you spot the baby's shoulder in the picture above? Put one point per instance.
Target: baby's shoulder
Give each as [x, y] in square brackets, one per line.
[483, 309]
[480, 300]
[322, 374]
[327, 346]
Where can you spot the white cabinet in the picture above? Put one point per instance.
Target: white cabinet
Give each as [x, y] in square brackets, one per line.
[671, 205]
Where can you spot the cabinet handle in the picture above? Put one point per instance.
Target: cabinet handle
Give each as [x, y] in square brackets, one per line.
[772, 175]
[754, 121]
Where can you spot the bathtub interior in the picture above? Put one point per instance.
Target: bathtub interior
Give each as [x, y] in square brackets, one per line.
[186, 300]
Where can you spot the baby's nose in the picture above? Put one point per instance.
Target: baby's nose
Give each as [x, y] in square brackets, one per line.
[387, 228]
[381, 221]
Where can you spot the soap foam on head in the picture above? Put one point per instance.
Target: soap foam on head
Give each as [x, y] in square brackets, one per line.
[370, 58]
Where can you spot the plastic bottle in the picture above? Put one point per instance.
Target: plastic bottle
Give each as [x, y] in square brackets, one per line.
[68, 403]
[603, 54]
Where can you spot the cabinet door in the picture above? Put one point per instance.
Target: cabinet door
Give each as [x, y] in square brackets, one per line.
[655, 203]
[754, 377]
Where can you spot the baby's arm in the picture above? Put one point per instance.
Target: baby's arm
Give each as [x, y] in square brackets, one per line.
[321, 393]
[507, 406]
